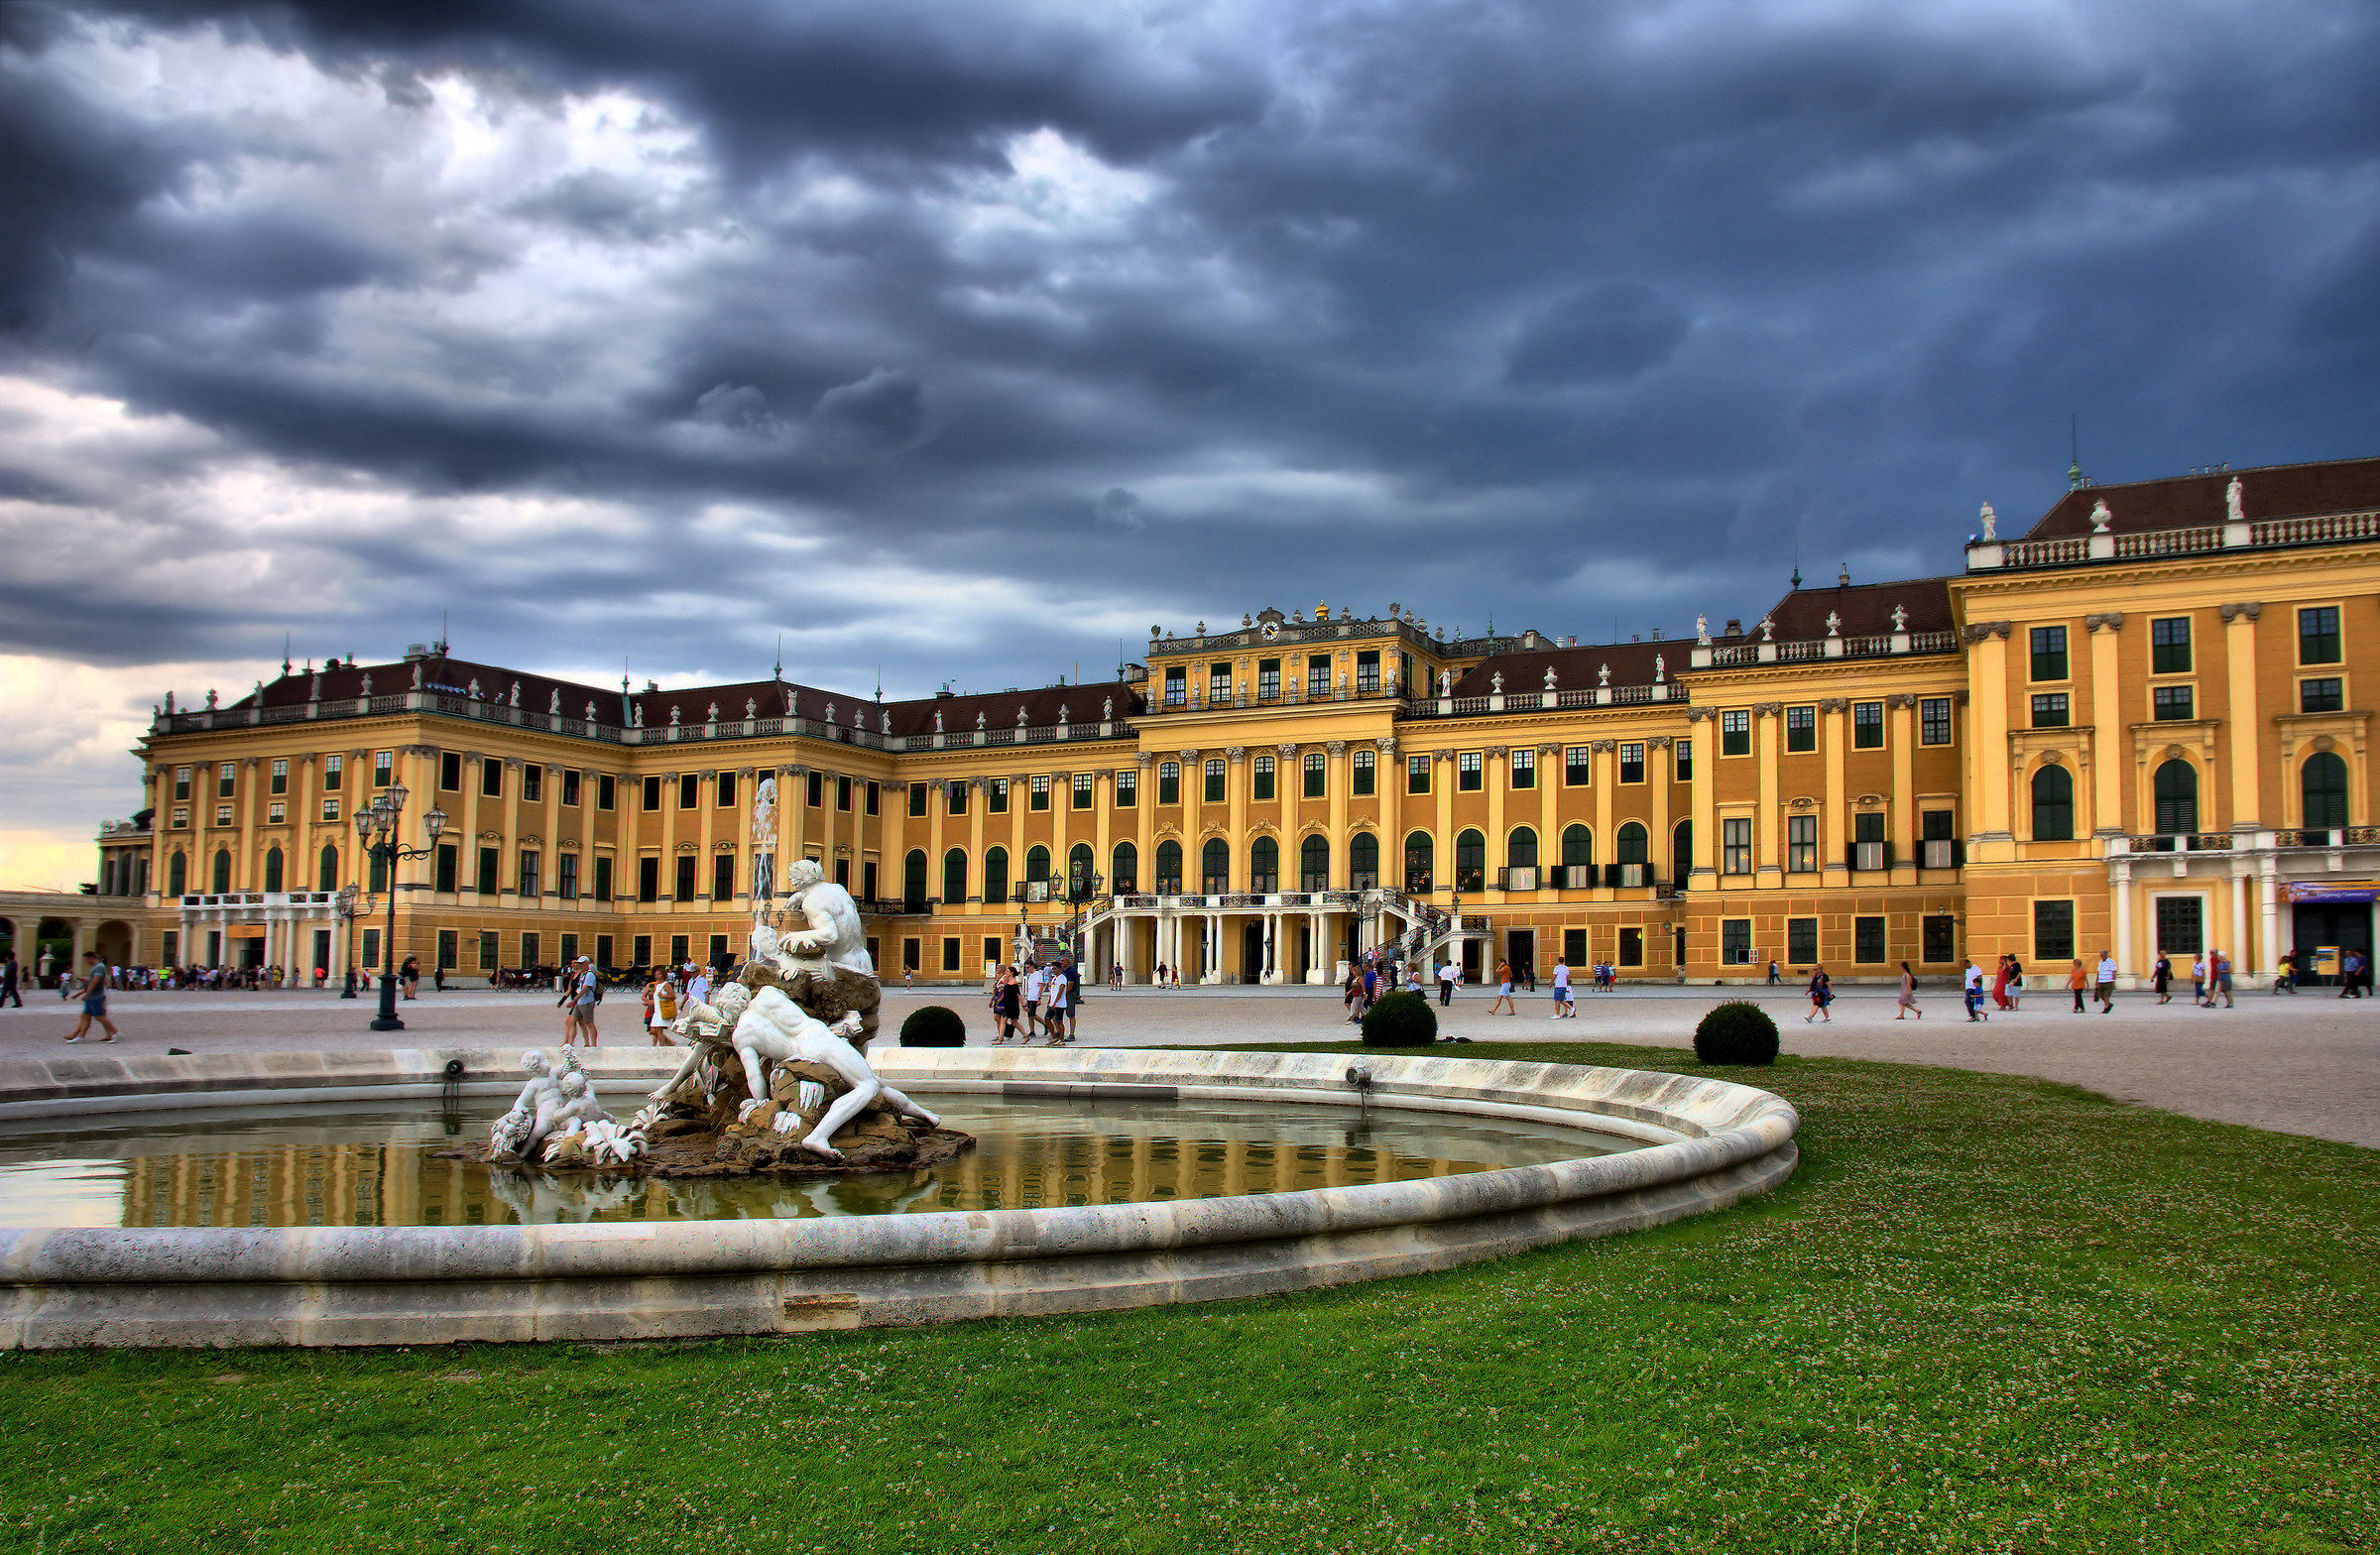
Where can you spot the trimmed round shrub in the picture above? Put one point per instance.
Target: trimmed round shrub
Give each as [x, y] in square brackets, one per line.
[939, 1025]
[1737, 1032]
[1400, 1021]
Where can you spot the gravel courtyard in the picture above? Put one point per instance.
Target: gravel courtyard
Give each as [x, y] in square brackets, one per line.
[2305, 1064]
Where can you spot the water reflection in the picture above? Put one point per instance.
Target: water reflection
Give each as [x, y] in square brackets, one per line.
[375, 1168]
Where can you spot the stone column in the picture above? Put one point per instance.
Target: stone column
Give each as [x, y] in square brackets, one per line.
[1144, 798]
[1103, 827]
[2268, 948]
[1705, 798]
[1549, 813]
[1769, 863]
[1901, 711]
[937, 814]
[793, 825]
[2247, 767]
[2106, 721]
[509, 859]
[1496, 774]
[1336, 781]
[1389, 776]
[1234, 782]
[1194, 791]
[248, 863]
[668, 866]
[1442, 846]
[1603, 780]
[2240, 954]
[1990, 829]
[1661, 753]
[1834, 830]
[2124, 959]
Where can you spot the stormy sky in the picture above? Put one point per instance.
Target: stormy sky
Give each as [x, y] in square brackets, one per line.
[960, 342]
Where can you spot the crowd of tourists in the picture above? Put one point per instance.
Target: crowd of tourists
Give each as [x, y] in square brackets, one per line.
[1032, 999]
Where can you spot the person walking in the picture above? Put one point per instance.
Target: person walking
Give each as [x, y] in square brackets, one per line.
[12, 987]
[1565, 1007]
[1446, 984]
[1503, 990]
[1072, 977]
[95, 999]
[408, 976]
[661, 1009]
[2106, 993]
[1004, 1005]
[2161, 978]
[2016, 982]
[1821, 993]
[1971, 988]
[2351, 975]
[2000, 983]
[1054, 1002]
[1909, 995]
[2285, 980]
[1033, 988]
[2197, 979]
[586, 993]
[2222, 981]
[1772, 974]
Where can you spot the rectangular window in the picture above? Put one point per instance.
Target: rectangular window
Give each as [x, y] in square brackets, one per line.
[603, 951]
[1801, 941]
[1574, 947]
[280, 775]
[491, 777]
[2318, 635]
[2326, 695]
[814, 791]
[1735, 732]
[1578, 766]
[843, 795]
[909, 954]
[1264, 783]
[1039, 792]
[916, 799]
[1268, 680]
[950, 953]
[1801, 729]
[954, 796]
[2168, 650]
[371, 947]
[182, 783]
[874, 796]
[995, 796]
[533, 782]
[276, 812]
[991, 950]
[489, 954]
[685, 883]
[182, 817]
[384, 768]
[569, 951]
[443, 873]
[603, 877]
[1314, 777]
[1735, 941]
[1467, 771]
[1940, 938]
[2053, 931]
[725, 796]
[1735, 851]
[723, 876]
[653, 793]
[641, 947]
[566, 875]
[1868, 940]
[1631, 947]
[1169, 782]
[1417, 775]
[2049, 710]
[1082, 790]
[530, 864]
[331, 810]
[2049, 653]
[2180, 925]
[677, 950]
[2173, 704]
[1175, 695]
[529, 950]
[1364, 774]
[1318, 676]
[649, 879]
[1631, 760]
[605, 786]
[1800, 846]
[1219, 683]
[1367, 671]
[1933, 720]
[223, 780]
[1213, 785]
[1128, 787]
[689, 791]
[570, 786]
[446, 949]
[1685, 760]
[222, 814]
[1524, 769]
[1867, 726]
[490, 878]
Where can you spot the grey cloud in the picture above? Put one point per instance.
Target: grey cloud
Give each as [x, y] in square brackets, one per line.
[1603, 334]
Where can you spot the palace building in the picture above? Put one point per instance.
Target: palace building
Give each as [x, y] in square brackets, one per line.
[2138, 727]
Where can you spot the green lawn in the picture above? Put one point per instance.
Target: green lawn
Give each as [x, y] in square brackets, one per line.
[1988, 1314]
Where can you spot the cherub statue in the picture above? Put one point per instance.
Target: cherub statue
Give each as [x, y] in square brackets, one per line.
[580, 1113]
[516, 1132]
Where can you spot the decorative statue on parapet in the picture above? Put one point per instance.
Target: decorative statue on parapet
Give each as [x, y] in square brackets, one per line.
[767, 1031]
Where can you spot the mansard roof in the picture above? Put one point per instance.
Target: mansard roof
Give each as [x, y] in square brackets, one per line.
[2273, 491]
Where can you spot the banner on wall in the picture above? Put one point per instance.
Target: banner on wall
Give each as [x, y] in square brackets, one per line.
[2341, 891]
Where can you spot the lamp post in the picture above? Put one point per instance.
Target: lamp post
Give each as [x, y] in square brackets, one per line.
[376, 827]
[1080, 889]
[344, 904]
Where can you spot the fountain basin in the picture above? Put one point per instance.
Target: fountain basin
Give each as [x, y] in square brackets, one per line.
[1704, 1143]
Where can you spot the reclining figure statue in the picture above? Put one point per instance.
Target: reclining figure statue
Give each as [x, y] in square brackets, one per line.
[767, 1028]
[517, 1131]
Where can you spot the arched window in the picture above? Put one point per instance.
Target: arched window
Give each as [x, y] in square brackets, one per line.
[1520, 850]
[1079, 868]
[1169, 868]
[1314, 863]
[1124, 871]
[272, 869]
[2324, 782]
[954, 877]
[1471, 861]
[913, 881]
[1037, 863]
[1635, 845]
[2177, 799]
[1421, 849]
[2053, 805]
[1265, 865]
[1364, 861]
[995, 874]
[1215, 865]
[1578, 847]
[1681, 853]
[222, 871]
[177, 873]
[329, 877]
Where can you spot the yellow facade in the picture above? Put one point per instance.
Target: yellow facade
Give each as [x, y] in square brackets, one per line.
[1851, 780]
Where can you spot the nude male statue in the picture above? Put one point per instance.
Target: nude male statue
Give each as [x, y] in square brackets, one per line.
[833, 937]
[768, 1029]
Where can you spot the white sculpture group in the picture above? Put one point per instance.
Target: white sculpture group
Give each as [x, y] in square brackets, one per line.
[554, 1110]
[767, 1028]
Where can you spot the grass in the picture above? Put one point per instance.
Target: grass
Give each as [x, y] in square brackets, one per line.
[1988, 1314]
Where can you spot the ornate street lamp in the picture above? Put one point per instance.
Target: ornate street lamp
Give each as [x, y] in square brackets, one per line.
[345, 903]
[376, 826]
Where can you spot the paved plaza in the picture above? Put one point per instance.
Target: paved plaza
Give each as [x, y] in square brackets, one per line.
[2307, 1064]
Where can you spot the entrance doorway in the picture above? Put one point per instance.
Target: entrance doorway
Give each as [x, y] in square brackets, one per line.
[2345, 924]
[1251, 951]
[1471, 962]
[1520, 949]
